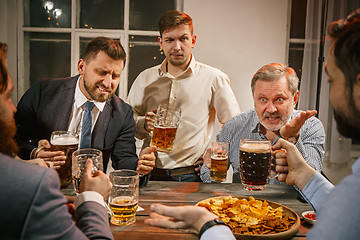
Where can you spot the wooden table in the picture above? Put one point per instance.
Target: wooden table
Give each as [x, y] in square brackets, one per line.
[181, 193]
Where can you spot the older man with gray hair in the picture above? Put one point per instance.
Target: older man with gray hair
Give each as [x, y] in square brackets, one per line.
[275, 93]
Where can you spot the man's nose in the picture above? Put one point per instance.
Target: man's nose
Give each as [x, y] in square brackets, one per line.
[271, 108]
[177, 45]
[107, 80]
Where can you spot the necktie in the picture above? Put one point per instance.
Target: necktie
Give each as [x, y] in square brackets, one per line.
[86, 126]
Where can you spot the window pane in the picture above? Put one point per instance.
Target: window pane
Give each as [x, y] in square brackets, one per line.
[49, 55]
[296, 53]
[83, 43]
[40, 13]
[145, 14]
[102, 14]
[298, 19]
[144, 53]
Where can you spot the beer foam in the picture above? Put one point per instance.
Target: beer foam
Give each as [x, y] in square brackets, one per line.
[124, 201]
[218, 158]
[255, 148]
[64, 140]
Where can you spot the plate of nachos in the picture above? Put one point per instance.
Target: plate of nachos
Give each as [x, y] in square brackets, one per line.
[254, 218]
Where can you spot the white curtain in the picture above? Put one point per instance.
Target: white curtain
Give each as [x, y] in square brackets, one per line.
[337, 148]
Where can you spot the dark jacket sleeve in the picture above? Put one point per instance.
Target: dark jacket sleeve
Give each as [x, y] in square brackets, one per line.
[123, 154]
[124, 151]
[48, 217]
[26, 121]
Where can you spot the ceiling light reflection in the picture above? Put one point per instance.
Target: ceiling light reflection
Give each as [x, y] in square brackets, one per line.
[57, 12]
[48, 5]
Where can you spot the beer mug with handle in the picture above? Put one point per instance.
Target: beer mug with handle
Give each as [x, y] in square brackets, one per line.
[219, 152]
[67, 142]
[165, 127]
[255, 164]
[79, 159]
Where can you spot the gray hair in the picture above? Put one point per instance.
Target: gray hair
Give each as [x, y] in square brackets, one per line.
[274, 71]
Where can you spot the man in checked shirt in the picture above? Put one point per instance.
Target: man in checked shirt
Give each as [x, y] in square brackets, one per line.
[275, 93]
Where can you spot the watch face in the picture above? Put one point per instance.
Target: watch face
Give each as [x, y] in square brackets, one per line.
[219, 221]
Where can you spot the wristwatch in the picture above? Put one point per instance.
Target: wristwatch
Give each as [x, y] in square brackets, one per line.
[209, 224]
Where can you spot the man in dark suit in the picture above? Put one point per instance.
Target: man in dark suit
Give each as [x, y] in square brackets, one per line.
[58, 104]
[31, 205]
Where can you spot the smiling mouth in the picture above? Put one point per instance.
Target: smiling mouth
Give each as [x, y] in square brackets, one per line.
[104, 90]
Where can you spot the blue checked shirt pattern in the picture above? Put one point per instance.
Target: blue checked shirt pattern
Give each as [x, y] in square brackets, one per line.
[246, 125]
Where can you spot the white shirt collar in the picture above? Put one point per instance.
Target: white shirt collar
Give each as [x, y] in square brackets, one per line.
[191, 67]
[80, 98]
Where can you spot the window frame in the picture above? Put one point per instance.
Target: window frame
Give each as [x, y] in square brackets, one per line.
[76, 33]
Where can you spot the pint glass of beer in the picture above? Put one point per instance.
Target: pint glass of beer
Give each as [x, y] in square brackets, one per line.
[255, 163]
[67, 142]
[78, 165]
[165, 127]
[124, 197]
[219, 161]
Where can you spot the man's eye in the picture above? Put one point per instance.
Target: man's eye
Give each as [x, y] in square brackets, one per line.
[280, 99]
[101, 72]
[115, 76]
[262, 100]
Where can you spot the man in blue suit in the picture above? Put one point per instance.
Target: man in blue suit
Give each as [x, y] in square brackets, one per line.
[59, 104]
[31, 205]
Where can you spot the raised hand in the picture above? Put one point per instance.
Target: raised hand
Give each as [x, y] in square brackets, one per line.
[292, 128]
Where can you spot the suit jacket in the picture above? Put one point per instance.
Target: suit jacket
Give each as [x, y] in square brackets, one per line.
[32, 207]
[47, 107]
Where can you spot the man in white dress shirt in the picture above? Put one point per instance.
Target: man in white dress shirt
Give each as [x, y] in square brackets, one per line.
[201, 93]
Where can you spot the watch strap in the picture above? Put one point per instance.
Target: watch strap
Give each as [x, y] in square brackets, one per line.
[209, 224]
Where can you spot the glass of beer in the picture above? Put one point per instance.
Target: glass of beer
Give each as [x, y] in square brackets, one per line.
[255, 163]
[165, 127]
[78, 165]
[124, 197]
[219, 161]
[67, 142]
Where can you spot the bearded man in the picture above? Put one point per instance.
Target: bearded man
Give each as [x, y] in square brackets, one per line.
[59, 105]
[31, 203]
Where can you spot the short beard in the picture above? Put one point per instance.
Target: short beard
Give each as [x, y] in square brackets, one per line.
[345, 126]
[8, 144]
[95, 98]
[277, 128]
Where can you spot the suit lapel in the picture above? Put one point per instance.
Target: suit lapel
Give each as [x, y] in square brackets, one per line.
[65, 106]
[100, 128]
